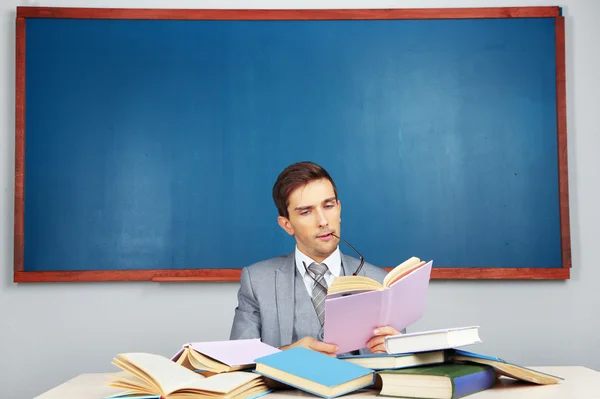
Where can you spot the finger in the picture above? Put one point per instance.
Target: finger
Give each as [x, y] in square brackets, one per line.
[323, 347]
[386, 330]
[375, 341]
[379, 346]
[378, 349]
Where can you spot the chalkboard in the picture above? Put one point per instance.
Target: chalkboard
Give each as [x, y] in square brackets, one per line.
[148, 141]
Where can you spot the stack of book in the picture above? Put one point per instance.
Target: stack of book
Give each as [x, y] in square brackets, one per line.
[426, 365]
[430, 365]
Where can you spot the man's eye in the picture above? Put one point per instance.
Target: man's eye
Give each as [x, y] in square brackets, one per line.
[304, 213]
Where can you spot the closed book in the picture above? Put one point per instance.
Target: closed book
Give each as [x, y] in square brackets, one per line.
[444, 381]
[314, 372]
[432, 340]
[383, 361]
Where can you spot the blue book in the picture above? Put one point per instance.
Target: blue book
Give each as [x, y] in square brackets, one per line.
[314, 372]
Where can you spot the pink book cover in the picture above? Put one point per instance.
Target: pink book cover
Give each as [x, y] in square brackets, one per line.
[350, 320]
[234, 352]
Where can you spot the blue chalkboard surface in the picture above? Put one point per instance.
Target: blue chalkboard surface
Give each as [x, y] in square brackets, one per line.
[154, 144]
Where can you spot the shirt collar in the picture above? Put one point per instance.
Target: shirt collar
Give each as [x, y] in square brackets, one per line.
[333, 262]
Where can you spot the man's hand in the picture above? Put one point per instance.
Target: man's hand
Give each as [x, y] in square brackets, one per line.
[311, 343]
[376, 343]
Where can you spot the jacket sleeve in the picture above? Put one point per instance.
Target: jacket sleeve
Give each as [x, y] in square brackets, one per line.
[247, 320]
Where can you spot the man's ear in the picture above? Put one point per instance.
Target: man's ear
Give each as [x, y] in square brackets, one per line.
[286, 225]
[340, 206]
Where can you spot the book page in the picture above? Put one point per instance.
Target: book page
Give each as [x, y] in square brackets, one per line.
[225, 382]
[401, 270]
[353, 283]
[184, 360]
[512, 370]
[201, 362]
[168, 375]
[131, 382]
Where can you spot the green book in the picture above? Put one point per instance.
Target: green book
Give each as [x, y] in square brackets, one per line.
[443, 381]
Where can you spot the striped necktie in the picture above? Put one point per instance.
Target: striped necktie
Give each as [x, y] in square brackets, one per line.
[319, 288]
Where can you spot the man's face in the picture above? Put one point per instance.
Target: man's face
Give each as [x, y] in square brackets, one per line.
[314, 214]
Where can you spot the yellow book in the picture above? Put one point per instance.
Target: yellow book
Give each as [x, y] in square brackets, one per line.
[155, 375]
[215, 357]
[196, 361]
[344, 284]
[504, 367]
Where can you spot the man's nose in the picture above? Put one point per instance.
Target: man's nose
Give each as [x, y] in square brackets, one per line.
[322, 219]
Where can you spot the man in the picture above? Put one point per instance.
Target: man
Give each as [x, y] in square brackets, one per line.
[275, 299]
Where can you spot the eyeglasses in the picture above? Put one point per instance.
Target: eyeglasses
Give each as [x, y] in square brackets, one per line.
[358, 269]
[362, 260]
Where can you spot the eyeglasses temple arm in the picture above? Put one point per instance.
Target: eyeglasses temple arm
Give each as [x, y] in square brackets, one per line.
[362, 260]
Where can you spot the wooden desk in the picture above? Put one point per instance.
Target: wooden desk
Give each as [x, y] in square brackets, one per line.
[579, 383]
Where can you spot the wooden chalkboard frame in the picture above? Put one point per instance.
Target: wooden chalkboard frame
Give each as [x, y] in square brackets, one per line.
[23, 13]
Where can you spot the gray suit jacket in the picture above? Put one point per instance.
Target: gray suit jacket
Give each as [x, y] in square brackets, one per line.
[266, 298]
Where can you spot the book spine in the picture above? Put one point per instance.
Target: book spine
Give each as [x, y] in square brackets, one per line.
[469, 384]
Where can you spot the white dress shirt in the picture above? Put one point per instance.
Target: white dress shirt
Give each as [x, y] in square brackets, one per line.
[334, 267]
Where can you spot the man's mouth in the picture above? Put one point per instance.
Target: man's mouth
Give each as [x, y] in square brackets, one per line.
[325, 237]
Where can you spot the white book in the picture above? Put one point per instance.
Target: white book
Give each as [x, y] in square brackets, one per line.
[432, 340]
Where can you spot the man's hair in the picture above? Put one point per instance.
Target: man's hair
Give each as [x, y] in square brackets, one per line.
[294, 176]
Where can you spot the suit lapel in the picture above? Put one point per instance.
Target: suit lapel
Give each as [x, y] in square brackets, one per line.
[284, 287]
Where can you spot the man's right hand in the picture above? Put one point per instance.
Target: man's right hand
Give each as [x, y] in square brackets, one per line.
[311, 343]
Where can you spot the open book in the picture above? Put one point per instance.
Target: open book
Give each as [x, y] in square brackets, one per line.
[355, 306]
[213, 357]
[344, 284]
[196, 361]
[151, 375]
[503, 367]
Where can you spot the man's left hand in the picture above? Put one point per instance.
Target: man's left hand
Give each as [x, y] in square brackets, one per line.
[376, 343]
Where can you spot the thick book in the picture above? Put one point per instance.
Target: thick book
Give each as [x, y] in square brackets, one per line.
[349, 284]
[431, 340]
[444, 381]
[503, 367]
[213, 357]
[155, 376]
[356, 305]
[385, 361]
[314, 372]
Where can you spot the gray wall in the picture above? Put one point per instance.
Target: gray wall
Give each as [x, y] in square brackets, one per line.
[52, 332]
